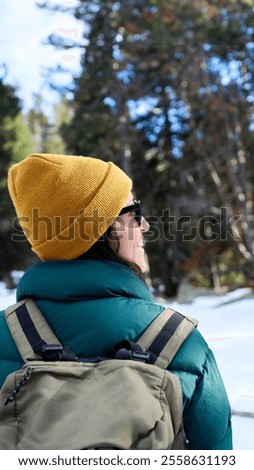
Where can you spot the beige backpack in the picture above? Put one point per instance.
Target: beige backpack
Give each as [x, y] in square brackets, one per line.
[127, 400]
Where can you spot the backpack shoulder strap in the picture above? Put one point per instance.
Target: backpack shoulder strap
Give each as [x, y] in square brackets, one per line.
[29, 329]
[165, 335]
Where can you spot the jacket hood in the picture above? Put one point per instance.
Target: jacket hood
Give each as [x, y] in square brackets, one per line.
[81, 279]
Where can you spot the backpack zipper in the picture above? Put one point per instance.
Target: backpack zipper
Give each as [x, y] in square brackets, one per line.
[25, 377]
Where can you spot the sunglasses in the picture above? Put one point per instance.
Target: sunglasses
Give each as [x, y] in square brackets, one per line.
[136, 207]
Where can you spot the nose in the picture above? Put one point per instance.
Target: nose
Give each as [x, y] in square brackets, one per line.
[144, 225]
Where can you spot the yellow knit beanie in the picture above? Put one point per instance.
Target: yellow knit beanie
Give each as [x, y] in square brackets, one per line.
[66, 203]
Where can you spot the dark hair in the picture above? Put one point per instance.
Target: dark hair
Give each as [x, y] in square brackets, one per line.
[102, 250]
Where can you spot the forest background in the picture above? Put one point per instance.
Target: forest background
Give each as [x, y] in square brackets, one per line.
[166, 91]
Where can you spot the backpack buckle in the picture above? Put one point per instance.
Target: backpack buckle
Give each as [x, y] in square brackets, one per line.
[141, 356]
[51, 352]
[132, 355]
[56, 352]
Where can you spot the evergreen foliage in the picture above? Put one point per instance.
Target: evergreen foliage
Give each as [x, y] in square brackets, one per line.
[15, 143]
[166, 92]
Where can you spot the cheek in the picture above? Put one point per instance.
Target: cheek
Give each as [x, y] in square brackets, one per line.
[126, 245]
[131, 250]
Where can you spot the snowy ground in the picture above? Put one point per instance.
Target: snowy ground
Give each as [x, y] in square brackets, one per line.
[227, 323]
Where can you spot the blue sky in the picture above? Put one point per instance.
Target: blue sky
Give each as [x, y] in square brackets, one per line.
[23, 28]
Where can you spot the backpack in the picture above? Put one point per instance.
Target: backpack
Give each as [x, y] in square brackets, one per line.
[126, 399]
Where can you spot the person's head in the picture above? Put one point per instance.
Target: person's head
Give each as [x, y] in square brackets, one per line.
[123, 240]
[71, 207]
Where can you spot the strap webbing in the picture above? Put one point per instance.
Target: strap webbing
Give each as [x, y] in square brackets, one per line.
[165, 335]
[29, 328]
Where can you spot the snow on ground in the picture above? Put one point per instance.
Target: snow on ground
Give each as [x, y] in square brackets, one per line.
[227, 323]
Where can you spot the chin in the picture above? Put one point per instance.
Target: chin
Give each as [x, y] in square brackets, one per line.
[142, 266]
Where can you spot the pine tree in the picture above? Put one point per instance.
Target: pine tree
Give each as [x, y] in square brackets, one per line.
[15, 143]
[166, 91]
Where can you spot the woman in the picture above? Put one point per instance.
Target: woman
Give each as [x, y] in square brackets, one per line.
[80, 217]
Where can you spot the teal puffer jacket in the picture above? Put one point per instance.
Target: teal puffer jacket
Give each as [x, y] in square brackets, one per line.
[92, 305]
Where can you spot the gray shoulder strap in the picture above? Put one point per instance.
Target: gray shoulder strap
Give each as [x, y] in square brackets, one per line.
[165, 335]
[16, 317]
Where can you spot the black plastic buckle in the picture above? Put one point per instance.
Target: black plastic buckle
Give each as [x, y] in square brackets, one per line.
[132, 355]
[52, 352]
[56, 352]
[141, 356]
